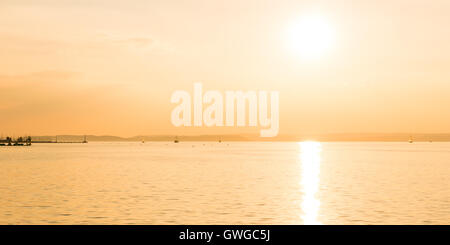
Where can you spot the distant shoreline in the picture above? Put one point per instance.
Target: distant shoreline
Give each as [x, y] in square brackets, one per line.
[363, 137]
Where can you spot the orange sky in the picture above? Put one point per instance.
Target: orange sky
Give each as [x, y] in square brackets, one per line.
[109, 67]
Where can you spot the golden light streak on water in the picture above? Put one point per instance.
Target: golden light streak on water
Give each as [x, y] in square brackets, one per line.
[310, 162]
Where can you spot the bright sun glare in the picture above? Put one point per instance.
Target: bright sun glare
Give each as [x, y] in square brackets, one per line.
[310, 36]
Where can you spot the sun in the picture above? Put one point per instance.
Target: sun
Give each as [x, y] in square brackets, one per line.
[310, 36]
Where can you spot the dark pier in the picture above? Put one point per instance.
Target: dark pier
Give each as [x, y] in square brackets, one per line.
[27, 141]
[20, 141]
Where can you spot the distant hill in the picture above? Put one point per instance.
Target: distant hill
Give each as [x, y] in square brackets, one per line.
[76, 138]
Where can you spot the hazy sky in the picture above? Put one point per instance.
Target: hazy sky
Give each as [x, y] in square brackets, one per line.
[110, 67]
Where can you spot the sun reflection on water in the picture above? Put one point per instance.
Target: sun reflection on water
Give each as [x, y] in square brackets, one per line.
[310, 162]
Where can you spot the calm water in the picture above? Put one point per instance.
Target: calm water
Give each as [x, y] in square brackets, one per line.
[225, 183]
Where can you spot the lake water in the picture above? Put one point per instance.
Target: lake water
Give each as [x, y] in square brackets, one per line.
[225, 183]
